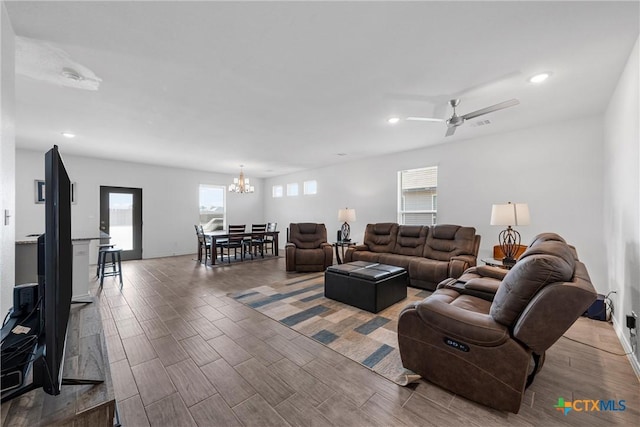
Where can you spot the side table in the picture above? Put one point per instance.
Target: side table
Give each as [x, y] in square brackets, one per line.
[342, 244]
[497, 263]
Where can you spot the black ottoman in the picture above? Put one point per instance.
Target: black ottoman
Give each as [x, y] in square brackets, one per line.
[369, 286]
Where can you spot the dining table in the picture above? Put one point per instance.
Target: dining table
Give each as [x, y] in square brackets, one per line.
[221, 235]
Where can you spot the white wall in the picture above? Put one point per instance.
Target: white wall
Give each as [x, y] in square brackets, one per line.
[7, 161]
[169, 200]
[556, 169]
[622, 194]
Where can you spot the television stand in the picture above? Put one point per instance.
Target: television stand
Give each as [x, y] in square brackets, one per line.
[81, 401]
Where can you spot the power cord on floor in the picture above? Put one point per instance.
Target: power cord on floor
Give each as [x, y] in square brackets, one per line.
[597, 348]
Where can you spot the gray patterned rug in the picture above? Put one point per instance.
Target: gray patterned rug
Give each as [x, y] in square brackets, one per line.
[369, 339]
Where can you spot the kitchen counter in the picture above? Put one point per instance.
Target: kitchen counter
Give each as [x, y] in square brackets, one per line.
[27, 263]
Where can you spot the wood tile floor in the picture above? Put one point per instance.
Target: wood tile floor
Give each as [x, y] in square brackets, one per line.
[182, 353]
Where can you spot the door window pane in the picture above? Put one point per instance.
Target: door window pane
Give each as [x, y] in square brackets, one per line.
[121, 220]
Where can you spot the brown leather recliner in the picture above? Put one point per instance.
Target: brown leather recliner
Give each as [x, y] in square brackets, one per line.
[487, 351]
[307, 249]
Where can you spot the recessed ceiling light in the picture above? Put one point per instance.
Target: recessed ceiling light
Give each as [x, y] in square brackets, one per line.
[539, 78]
[68, 135]
[393, 120]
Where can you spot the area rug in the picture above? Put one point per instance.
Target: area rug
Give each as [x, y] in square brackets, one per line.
[235, 261]
[369, 339]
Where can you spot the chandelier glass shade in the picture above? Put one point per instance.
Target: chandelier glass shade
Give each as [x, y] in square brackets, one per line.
[241, 184]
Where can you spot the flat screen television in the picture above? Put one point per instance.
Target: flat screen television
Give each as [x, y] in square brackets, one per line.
[58, 269]
[55, 263]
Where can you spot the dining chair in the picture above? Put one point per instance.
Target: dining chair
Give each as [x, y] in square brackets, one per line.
[235, 241]
[203, 243]
[269, 240]
[257, 239]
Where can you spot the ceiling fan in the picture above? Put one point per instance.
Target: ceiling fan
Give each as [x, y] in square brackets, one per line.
[455, 120]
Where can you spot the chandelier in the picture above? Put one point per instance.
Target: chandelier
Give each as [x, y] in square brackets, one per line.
[241, 184]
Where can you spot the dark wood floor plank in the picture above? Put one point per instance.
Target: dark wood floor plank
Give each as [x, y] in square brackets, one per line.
[124, 385]
[327, 374]
[229, 350]
[153, 381]
[170, 411]
[300, 412]
[129, 327]
[270, 387]
[229, 383]
[132, 412]
[214, 411]
[205, 328]
[256, 412]
[199, 350]
[301, 381]
[154, 328]
[265, 353]
[138, 350]
[169, 350]
[230, 328]
[210, 313]
[341, 411]
[191, 383]
[293, 352]
[180, 329]
[437, 414]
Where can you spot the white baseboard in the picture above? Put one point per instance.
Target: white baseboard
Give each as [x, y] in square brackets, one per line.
[626, 345]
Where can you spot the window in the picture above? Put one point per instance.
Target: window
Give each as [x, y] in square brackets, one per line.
[212, 207]
[292, 189]
[276, 191]
[310, 187]
[418, 196]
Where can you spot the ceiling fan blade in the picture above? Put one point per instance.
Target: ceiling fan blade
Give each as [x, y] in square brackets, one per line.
[491, 109]
[451, 131]
[423, 119]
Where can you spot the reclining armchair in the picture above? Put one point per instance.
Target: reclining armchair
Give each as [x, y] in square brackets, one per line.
[307, 248]
[489, 350]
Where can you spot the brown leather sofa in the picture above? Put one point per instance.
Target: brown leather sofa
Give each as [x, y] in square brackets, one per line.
[429, 254]
[488, 351]
[307, 248]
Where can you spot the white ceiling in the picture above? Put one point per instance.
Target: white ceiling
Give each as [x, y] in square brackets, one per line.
[286, 86]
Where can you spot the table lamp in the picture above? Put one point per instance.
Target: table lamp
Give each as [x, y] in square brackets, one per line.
[509, 239]
[347, 215]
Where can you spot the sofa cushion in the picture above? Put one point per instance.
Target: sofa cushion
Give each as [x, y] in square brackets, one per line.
[445, 241]
[430, 270]
[310, 256]
[307, 235]
[411, 240]
[546, 261]
[381, 237]
[397, 260]
[365, 256]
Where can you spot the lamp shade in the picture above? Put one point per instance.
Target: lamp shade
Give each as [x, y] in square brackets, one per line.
[510, 214]
[347, 215]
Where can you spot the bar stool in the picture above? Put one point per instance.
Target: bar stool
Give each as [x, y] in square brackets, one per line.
[115, 264]
[101, 247]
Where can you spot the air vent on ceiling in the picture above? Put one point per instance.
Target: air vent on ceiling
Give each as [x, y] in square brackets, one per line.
[481, 123]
